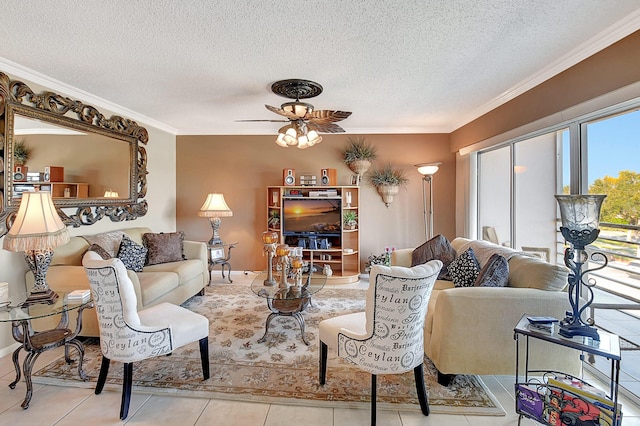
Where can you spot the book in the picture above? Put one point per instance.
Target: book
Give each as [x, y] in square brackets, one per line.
[79, 295]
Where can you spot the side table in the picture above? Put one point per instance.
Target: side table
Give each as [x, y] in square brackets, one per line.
[36, 342]
[289, 301]
[217, 256]
[608, 346]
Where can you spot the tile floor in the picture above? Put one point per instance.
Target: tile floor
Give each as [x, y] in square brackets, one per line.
[53, 405]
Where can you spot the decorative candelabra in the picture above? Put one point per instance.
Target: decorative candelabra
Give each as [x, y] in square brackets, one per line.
[282, 253]
[580, 216]
[270, 239]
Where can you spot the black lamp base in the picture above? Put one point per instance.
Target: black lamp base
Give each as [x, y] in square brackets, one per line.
[572, 330]
[47, 296]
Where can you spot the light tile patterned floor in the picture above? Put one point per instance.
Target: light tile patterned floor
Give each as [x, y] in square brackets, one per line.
[63, 406]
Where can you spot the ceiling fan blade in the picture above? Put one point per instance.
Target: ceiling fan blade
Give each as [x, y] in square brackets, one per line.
[282, 112]
[324, 127]
[327, 116]
[270, 121]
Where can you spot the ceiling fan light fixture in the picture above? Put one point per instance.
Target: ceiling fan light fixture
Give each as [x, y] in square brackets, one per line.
[314, 137]
[280, 141]
[299, 109]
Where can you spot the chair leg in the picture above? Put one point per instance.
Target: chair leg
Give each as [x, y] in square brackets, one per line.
[102, 377]
[322, 374]
[418, 372]
[126, 390]
[374, 386]
[204, 356]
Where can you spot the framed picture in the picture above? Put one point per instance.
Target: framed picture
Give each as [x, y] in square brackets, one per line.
[355, 180]
[217, 253]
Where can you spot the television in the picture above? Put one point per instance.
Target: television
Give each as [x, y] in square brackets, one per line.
[305, 217]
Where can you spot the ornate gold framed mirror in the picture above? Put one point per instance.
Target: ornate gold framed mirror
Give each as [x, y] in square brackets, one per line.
[94, 166]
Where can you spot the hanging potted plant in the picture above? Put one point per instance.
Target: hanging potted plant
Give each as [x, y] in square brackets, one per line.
[359, 154]
[388, 181]
[350, 219]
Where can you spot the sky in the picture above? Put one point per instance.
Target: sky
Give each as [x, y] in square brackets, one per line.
[613, 145]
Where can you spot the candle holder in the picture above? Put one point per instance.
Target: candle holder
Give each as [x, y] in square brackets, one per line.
[270, 239]
[580, 216]
[282, 253]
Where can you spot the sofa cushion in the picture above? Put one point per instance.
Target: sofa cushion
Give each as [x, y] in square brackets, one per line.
[439, 248]
[164, 247]
[495, 273]
[464, 269]
[186, 269]
[132, 254]
[154, 285]
[532, 272]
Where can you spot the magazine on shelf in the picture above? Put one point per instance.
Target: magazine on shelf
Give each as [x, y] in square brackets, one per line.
[580, 402]
[530, 400]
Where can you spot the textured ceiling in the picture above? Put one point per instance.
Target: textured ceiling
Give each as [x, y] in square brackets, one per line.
[194, 67]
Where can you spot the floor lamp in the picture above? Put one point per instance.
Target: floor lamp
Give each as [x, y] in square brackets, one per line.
[427, 170]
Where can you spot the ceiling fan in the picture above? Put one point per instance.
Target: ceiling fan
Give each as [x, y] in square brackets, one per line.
[304, 121]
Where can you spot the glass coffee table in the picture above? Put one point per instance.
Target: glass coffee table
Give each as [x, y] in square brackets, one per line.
[290, 301]
[36, 342]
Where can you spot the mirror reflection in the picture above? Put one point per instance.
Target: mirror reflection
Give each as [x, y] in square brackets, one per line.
[69, 163]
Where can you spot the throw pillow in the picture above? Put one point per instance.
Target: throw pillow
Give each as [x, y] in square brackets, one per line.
[439, 248]
[132, 254]
[110, 241]
[464, 269]
[164, 247]
[99, 250]
[495, 273]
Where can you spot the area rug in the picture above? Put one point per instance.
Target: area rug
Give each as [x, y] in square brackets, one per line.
[282, 369]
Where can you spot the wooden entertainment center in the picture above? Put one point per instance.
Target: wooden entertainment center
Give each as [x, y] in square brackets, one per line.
[324, 243]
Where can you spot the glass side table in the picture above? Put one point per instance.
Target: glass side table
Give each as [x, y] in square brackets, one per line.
[217, 256]
[37, 342]
[290, 301]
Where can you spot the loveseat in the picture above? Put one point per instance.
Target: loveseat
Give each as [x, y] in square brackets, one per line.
[173, 282]
[469, 330]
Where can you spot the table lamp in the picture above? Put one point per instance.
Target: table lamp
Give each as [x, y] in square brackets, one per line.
[214, 208]
[37, 230]
[580, 215]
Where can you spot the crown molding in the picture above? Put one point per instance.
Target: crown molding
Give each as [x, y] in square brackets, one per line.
[54, 85]
[595, 44]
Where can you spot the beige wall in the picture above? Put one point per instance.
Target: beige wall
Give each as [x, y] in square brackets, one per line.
[241, 167]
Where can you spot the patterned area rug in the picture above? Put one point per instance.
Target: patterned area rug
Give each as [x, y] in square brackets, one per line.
[282, 369]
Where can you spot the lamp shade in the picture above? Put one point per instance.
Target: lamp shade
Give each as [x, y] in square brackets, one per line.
[580, 212]
[215, 206]
[428, 169]
[37, 225]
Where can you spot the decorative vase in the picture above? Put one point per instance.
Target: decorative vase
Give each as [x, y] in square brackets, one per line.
[360, 166]
[387, 192]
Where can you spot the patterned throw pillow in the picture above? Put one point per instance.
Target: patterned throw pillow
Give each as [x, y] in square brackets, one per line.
[132, 254]
[495, 273]
[164, 247]
[464, 269]
[439, 248]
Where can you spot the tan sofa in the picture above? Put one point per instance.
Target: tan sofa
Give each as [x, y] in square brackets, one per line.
[173, 282]
[469, 330]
